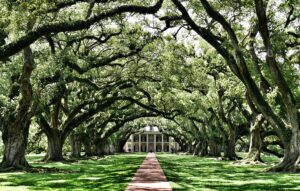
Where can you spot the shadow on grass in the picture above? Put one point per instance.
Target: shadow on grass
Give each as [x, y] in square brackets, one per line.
[195, 173]
[111, 173]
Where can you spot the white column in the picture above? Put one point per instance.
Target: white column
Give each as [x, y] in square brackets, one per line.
[139, 142]
[154, 143]
[147, 150]
[162, 142]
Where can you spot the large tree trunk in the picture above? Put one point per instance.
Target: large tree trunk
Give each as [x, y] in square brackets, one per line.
[190, 148]
[101, 148]
[229, 151]
[291, 155]
[87, 147]
[203, 148]
[255, 140]
[15, 141]
[55, 145]
[121, 145]
[214, 149]
[75, 146]
[104, 149]
[183, 147]
[196, 148]
[16, 130]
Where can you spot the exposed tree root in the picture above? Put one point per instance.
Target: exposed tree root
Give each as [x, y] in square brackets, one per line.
[284, 169]
[31, 169]
[230, 158]
[249, 162]
[49, 170]
[64, 160]
[4, 167]
[288, 165]
[9, 169]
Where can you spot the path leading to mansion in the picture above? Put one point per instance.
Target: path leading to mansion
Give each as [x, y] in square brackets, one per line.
[149, 177]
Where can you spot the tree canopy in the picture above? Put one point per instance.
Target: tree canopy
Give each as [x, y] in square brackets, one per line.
[217, 76]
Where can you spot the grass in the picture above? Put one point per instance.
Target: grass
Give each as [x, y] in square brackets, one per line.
[184, 172]
[111, 173]
[187, 172]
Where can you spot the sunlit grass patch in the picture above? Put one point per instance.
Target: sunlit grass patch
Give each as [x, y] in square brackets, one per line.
[110, 173]
[187, 172]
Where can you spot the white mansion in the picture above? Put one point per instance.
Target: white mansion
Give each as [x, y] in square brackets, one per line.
[149, 139]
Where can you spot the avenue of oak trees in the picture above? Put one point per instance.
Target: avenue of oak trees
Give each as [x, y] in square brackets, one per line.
[218, 76]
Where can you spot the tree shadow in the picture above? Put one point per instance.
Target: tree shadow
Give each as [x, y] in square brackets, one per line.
[111, 173]
[196, 173]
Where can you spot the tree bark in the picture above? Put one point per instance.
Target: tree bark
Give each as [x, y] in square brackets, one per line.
[75, 146]
[87, 147]
[16, 130]
[190, 148]
[291, 155]
[255, 140]
[196, 148]
[101, 148]
[229, 150]
[183, 147]
[104, 149]
[55, 146]
[120, 146]
[292, 138]
[214, 149]
[203, 149]
[15, 141]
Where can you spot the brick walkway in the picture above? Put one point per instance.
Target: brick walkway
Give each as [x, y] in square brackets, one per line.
[149, 177]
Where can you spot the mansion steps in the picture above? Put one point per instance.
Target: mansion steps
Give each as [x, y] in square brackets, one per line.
[149, 139]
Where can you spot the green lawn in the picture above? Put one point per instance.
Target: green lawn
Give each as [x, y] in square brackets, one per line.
[195, 173]
[184, 172]
[111, 173]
